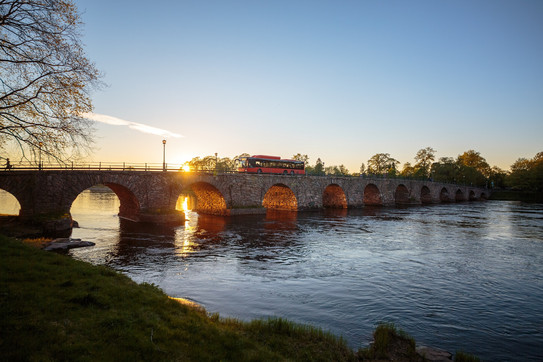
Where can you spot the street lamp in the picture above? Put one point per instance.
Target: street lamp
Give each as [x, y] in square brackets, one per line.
[163, 155]
[216, 161]
[40, 144]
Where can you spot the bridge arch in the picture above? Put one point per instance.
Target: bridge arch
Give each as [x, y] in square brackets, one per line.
[209, 200]
[459, 196]
[334, 197]
[425, 195]
[401, 195]
[444, 195]
[129, 204]
[372, 195]
[483, 196]
[472, 196]
[10, 205]
[280, 197]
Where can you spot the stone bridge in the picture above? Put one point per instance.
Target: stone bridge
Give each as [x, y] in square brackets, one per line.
[152, 196]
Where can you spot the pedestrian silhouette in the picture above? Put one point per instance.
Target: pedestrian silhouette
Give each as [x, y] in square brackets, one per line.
[8, 165]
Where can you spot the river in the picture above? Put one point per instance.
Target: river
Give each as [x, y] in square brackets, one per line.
[465, 276]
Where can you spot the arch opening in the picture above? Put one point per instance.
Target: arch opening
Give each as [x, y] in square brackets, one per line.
[209, 200]
[401, 195]
[472, 196]
[425, 195]
[372, 195]
[9, 205]
[444, 195]
[459, 196]
[334, 197]
[483, 196]
[280, 197]
[104, 198]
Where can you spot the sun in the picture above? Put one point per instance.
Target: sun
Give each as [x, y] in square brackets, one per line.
[186, 168]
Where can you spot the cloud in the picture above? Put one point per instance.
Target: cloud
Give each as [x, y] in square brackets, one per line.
[114, 121]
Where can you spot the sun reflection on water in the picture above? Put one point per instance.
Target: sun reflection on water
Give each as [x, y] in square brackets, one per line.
[185, 236]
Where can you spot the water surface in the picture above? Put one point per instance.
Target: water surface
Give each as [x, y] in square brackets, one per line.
[465, 276]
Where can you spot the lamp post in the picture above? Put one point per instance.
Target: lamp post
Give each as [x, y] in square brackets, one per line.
[163, 155]
[40, 144]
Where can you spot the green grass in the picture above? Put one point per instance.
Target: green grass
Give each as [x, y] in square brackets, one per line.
[56, 308]
[465, 357]
[390, 343]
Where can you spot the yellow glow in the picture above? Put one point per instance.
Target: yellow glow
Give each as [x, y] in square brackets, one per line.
[186, 168]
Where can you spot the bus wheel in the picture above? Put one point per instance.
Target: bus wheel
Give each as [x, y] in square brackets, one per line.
[285, 172]
[259, 171]
[292, 173]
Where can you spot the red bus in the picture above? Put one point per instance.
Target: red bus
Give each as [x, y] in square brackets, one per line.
[269, 164]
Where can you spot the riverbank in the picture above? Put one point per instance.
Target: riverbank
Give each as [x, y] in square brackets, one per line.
[55, 307]
[510, 195]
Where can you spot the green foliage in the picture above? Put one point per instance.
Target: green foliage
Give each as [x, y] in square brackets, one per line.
[382, 164]
[527, 175]
[465, 357]
[390, 344]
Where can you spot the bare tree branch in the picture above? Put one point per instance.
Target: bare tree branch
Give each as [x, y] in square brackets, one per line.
[45, 79]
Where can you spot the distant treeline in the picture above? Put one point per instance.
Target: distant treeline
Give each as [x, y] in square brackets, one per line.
[469, 168]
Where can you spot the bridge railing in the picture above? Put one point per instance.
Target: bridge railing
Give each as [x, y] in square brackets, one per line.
[91, 166]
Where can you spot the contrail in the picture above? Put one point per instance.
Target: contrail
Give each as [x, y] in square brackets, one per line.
[114, 121]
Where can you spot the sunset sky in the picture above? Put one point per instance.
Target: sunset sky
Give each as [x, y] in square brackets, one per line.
[339, 80]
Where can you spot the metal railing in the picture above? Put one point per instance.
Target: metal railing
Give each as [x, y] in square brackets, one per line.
[91, 166]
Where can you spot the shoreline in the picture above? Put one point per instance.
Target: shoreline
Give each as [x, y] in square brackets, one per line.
[317, 342]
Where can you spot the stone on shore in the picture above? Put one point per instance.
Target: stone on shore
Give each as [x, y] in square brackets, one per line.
[434, 354]
[66, 243]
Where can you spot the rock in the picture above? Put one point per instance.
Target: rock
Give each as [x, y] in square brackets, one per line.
[434, 354]
[66, 243]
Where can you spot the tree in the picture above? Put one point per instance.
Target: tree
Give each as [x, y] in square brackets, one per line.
[382, 163]
[319, 167]
[407, 170]
[424, 158]
[362, 168]
[527, 174]
[474, 159]
[45, 79]
[473, 169]
[300, 157]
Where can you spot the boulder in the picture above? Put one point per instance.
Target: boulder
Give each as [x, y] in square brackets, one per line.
[66, 243]
[434, 354]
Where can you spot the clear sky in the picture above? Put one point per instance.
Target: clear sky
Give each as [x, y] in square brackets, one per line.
[339, 80]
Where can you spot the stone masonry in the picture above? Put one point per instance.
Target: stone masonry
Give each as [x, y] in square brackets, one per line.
[152, 196]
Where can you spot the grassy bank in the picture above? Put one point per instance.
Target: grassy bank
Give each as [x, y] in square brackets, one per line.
[57, 308]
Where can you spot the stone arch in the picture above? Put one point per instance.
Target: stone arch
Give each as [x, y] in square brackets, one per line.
[334, 197]
[472, 196]
[280, 197]
[10, 204]
[425, 195]
[483, 196]
[444, 195]
[209, 200]
[129, 204]
[401, 195]
[372, 195]
[459, 196]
